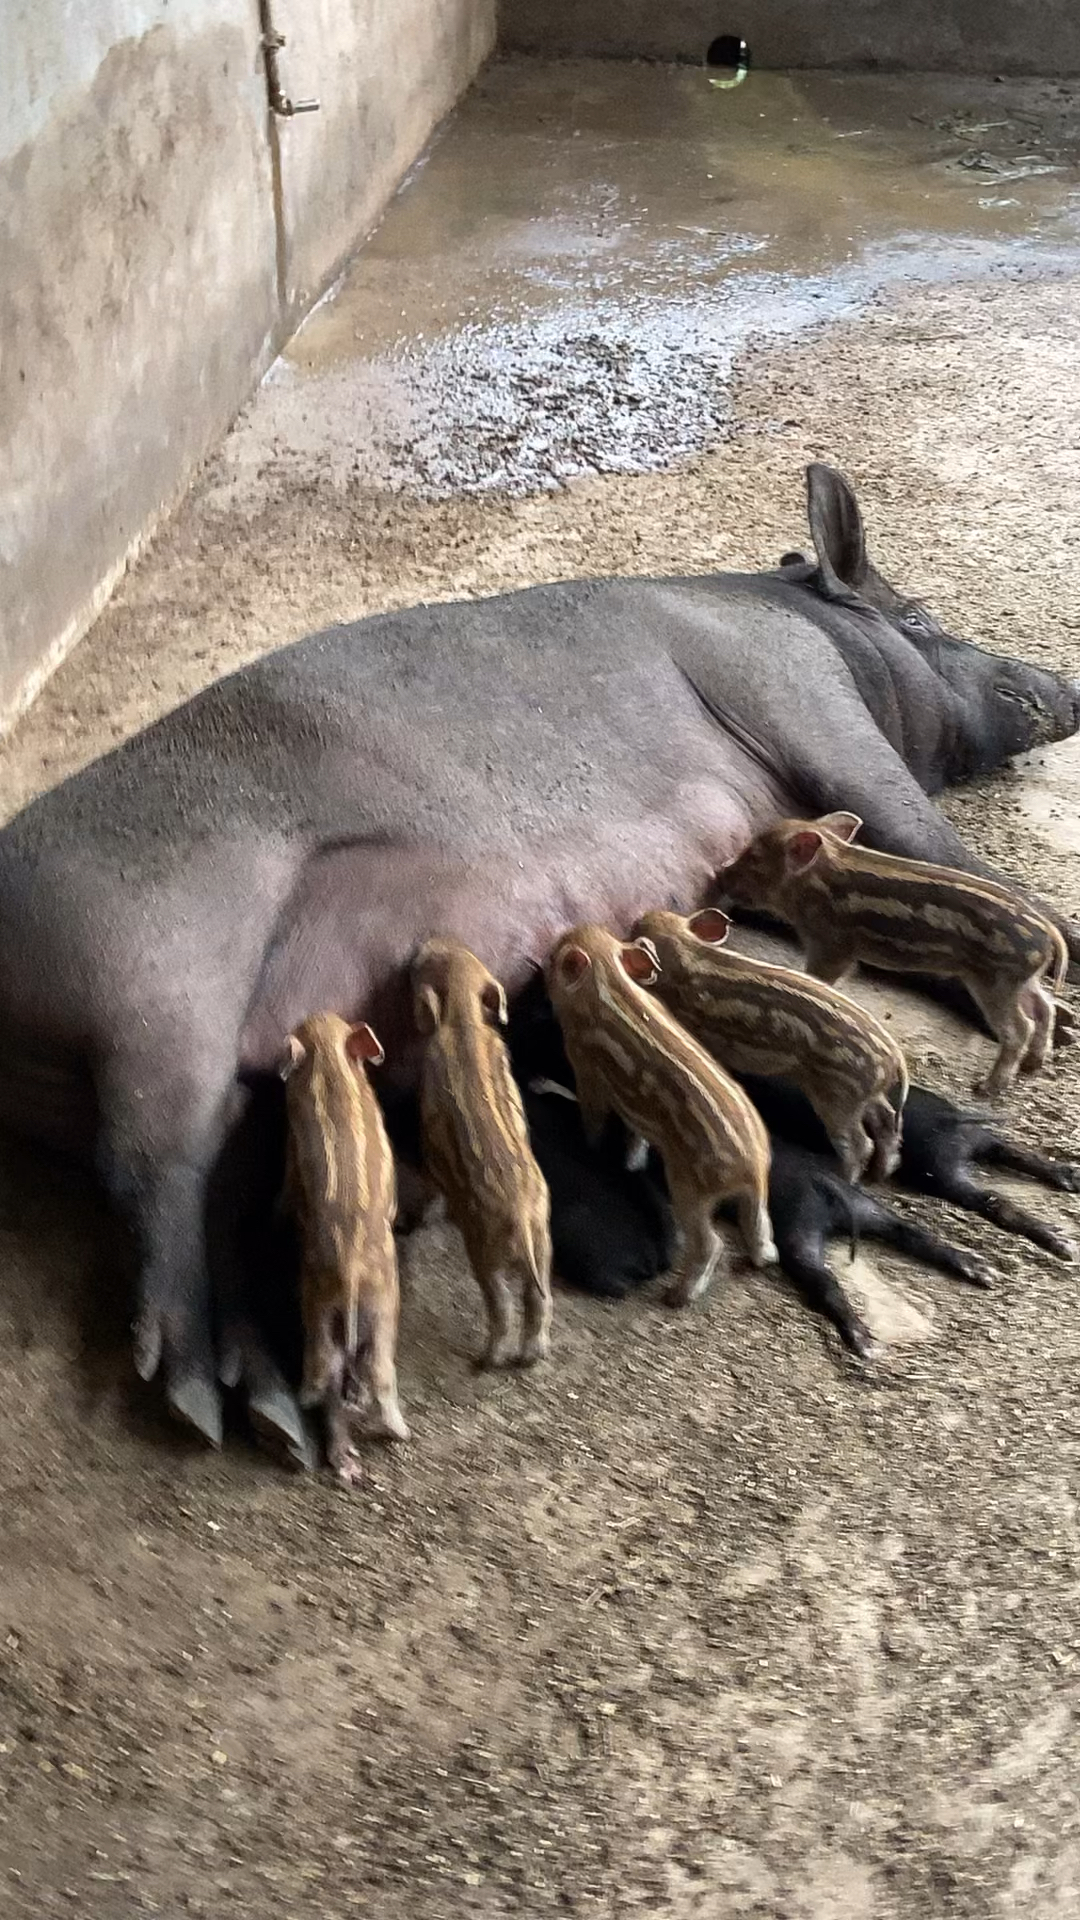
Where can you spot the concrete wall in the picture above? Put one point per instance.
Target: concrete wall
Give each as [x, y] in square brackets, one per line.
[386, 71]
[159, 236]
[977, 36]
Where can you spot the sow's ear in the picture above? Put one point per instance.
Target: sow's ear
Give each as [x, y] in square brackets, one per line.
[573, 965]
[843, 825]
[802, 850]
[641, 962]
[362, 1044]
[493, 1001]
[837, 531]
[293, 1056]
[710, 925]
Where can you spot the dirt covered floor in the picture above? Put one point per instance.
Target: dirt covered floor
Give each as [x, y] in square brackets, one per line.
[706, 1619]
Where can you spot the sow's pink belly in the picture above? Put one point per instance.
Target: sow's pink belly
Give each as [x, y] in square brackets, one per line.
[358, 914]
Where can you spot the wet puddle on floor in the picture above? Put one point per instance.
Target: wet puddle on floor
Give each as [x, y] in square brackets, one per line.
[563, 285]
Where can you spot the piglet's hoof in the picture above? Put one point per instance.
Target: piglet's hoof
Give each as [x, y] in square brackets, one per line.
[347, 1466]
[1061, 1245]
[535, 1348]
[1066, 1032]
[388, 1424]
[499, 1353]
[858, 1338]
[979, 1272]
[988, 1089]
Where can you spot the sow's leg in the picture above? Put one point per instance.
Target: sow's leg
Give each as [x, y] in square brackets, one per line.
[158, 1138]
[171, 1152]
[253, 1270]
[868, 777]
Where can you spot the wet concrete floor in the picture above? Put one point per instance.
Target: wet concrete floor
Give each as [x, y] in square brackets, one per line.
[563, 285]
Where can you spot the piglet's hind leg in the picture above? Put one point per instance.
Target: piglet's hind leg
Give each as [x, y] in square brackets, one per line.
[919, 1243]
[827, 963]
[958, 1187]
[382, 1373]
[1014, 1030]
[854, 1149]
[702, 1247]
[802, 1258]
[340, 1451]
[1061, 1174]
[1039, 1004]
[537, 1308]
[322, 1356]
[884, 1124]
[501, 1349]
[756, 1229]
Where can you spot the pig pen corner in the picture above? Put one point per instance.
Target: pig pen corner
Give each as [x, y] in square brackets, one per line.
[704, 1616]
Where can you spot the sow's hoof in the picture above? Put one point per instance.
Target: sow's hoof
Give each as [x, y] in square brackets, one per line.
[271, 1405]
[183, 1356]
[191, 1375]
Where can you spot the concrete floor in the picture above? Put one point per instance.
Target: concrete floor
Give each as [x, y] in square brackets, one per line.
[704, 1620]
[583, 233]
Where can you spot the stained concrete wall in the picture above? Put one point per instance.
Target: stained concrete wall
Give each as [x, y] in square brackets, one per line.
[159, 236]
[385, 71]
[975, 36]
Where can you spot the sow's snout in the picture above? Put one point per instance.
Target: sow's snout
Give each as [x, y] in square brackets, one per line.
[1020, 707]
[1050, 705]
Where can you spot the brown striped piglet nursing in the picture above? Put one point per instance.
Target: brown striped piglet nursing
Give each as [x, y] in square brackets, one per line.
[340, 1185]
[476, 1146]
[848, 904]
[630, 1057]
[761, 1019]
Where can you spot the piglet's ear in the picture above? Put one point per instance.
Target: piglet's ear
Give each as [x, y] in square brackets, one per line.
[710, 925]
[427, 1009]
[293, 1055]
[493, 1001]
[844, 825]
[362, 1044]
[803, 849]
[574, 964]
[641, 962]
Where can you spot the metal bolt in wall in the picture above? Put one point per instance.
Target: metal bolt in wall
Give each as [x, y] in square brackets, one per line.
[272, 43]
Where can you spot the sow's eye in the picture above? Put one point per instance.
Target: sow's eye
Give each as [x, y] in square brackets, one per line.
[914, 620]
